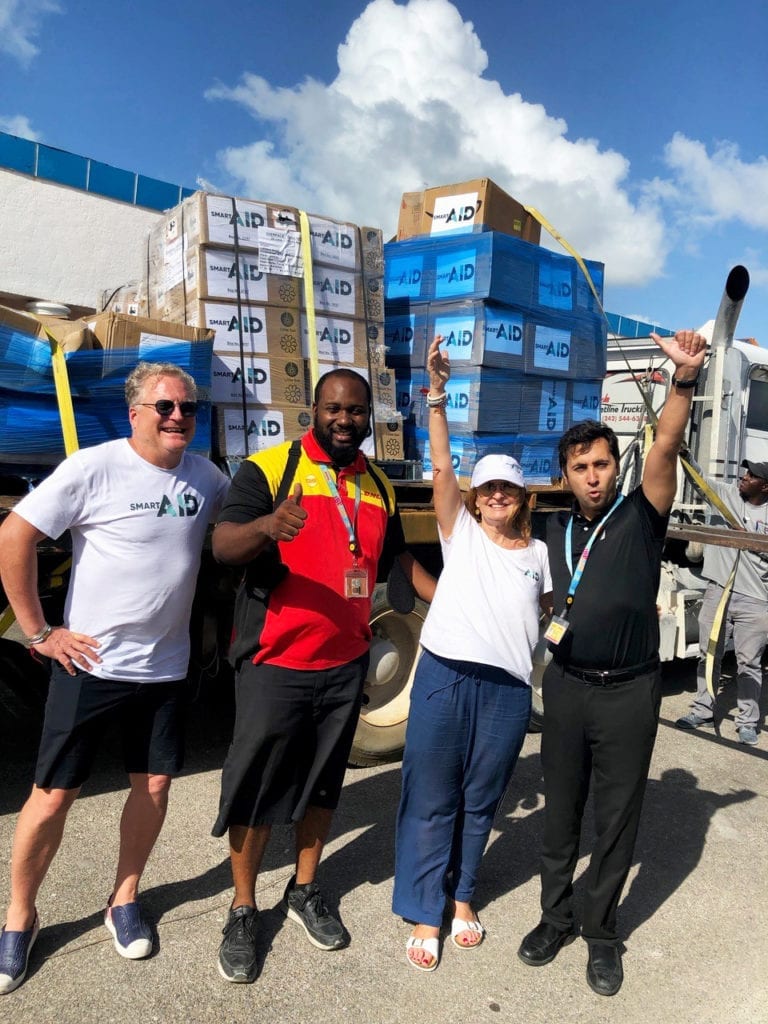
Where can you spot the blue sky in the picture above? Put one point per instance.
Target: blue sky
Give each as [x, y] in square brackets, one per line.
[639, 131]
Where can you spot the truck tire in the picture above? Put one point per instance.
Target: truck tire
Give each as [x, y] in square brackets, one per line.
[380, 735]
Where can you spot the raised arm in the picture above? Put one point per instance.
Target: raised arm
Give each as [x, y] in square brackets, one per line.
[446, 492]
[686, 351]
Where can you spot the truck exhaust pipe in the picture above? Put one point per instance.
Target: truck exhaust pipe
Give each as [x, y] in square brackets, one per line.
[736, 287]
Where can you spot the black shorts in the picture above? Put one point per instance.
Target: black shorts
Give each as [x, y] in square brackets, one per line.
[293, 733]
[79, 710]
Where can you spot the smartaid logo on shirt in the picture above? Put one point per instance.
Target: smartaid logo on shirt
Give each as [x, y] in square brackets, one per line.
[182, 505]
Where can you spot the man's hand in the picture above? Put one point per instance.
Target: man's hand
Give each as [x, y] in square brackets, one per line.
[288, 518]
[73, 651]
[686, 350]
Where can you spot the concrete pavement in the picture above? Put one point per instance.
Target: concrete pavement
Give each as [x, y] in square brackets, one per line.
[693, 915]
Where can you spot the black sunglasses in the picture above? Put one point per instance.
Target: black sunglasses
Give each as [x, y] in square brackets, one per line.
[164, 407]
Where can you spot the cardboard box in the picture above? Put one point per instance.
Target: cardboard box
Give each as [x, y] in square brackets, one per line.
[130, 298]
[340, 244]
[18, 329]
[264, 380]
[466, 206]
[537, 454]
[120, 331]
[344, 293]
[263, 427]
[489, 265]
[265, 330]
[344, 341]
[208, 219]
[386, 442]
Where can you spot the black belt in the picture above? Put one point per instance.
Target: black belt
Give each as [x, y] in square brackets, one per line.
[603, 677]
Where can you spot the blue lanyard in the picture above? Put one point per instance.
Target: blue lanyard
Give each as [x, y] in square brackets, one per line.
[348, 524]
[576, 576]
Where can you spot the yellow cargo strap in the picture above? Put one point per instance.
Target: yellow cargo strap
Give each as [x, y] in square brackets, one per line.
[7, 619]
[63, 394]
[309, 298]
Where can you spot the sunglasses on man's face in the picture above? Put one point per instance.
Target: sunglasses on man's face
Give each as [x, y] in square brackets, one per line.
[164, 407]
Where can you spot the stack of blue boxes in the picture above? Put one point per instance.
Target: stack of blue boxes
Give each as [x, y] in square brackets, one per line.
[30, 426]
[525, 334]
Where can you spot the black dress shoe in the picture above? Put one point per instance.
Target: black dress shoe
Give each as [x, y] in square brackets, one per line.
[604, 970]
[542, 945]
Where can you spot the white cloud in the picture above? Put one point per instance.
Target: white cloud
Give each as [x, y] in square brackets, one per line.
[19, 25]
[411, 107]
[720, 186]
[19, 125]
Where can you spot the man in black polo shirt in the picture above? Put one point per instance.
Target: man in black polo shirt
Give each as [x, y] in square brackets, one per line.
[602, 689]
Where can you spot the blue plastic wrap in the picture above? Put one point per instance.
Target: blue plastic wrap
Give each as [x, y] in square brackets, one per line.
[501, 401]
[30, 428]
[488, 265]
[536, 454]
[481, 333]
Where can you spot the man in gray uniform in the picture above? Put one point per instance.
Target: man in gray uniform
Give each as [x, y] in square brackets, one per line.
[746, 618]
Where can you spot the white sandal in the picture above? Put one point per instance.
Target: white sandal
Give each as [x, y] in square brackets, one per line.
[458, 926]
[431, 946]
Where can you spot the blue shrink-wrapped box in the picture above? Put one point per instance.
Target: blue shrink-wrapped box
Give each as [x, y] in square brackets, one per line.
[489, 265]
[31, 434]
[536, 454]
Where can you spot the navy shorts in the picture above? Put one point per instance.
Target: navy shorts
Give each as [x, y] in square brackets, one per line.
[293, 733]
[82, 707]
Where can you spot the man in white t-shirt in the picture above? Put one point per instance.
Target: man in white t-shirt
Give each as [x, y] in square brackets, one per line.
[137, 510]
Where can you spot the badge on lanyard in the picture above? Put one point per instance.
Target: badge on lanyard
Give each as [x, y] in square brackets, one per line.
[556, 630]
[355, 583]
[355, 579]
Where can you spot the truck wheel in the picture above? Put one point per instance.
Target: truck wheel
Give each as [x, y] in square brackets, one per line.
[380, 735]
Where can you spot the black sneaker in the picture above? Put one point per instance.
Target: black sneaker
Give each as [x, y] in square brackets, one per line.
[305, 905]
[237, 952]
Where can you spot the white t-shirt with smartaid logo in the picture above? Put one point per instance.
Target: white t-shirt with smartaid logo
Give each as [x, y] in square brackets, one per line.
[137, 536]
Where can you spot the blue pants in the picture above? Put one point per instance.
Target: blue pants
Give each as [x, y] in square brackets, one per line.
[466, 726]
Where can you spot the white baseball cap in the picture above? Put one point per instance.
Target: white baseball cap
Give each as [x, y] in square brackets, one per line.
[497, 467]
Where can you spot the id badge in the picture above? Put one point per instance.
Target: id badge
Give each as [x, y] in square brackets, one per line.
[556, 629]
[355, 583]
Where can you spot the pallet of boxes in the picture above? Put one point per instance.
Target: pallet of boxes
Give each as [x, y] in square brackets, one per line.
[99, 353]
[525, 333]
[289, 296]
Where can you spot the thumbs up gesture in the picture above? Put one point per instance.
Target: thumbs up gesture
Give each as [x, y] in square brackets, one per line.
[289, 517]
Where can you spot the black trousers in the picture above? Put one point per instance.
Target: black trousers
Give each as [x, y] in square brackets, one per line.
[603, 735]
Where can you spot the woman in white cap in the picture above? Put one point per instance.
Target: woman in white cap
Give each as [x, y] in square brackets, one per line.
[471, 695]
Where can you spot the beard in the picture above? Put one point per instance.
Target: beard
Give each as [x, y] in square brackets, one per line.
[341, 454]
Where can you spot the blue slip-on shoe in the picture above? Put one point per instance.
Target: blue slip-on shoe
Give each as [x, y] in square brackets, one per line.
[15, 948]
[132, 934]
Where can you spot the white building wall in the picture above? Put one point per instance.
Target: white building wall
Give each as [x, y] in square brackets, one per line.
[64, 245]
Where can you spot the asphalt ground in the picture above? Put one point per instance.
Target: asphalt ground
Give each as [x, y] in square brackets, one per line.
[693, 915]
